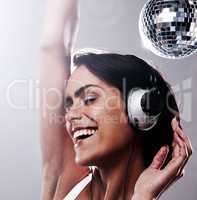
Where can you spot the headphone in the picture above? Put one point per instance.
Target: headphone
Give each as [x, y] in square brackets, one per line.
[144, 107]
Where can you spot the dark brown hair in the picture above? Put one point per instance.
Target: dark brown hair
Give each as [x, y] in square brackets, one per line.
[113, 69]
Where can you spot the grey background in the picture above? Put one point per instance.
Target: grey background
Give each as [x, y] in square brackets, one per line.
[111, 24]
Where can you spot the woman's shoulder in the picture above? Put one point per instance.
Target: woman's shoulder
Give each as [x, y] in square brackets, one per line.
[68, 180]
[79, 187]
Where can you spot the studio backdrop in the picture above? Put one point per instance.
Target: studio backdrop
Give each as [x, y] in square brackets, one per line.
[108, 24]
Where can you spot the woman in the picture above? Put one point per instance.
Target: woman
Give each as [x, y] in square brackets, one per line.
[129, 164]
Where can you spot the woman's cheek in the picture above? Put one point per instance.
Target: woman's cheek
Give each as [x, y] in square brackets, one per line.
[97, 112]
[113, 102]
[68, 126]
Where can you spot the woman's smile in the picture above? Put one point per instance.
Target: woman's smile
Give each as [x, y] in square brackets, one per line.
[84, 137]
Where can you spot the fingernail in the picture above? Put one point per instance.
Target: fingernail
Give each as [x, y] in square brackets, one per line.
[166, 148]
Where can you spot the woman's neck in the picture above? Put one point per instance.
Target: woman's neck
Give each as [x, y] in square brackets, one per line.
[116, 179]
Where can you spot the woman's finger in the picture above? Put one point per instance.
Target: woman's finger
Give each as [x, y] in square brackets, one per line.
[184, 138]
[183, 153]
[180, 154]
[176, 128]
[189, 152]
[160, 157]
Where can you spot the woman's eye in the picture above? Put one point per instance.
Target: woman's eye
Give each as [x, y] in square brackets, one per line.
[89, 100]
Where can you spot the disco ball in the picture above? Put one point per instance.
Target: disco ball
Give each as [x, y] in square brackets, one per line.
[169, 27]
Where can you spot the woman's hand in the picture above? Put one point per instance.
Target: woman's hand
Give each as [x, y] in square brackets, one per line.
[154, 180]
[60, 25]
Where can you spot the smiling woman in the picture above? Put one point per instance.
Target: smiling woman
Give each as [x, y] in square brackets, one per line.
[91, 110]
[104, 100]
[121, 141]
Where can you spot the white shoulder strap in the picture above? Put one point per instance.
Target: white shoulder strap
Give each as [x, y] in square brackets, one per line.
[77, 189]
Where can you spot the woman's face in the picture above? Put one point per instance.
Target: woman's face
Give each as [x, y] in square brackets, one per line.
[95, 118]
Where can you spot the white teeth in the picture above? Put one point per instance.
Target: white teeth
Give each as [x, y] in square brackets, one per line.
[83, 132]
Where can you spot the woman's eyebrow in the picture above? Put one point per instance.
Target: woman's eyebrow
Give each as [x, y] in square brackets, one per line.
[81, 90]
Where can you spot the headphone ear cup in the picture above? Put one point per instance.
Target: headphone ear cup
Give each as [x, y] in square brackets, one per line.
[144, 108]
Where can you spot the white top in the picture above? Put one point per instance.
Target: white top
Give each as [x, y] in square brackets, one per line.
[77, 189]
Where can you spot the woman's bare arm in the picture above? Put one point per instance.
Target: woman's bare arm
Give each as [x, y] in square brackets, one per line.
[59, 170]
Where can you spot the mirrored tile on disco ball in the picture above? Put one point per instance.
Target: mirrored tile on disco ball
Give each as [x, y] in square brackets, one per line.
[169, 27]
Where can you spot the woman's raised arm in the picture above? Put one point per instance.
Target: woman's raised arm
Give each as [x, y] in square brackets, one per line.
[60, 23]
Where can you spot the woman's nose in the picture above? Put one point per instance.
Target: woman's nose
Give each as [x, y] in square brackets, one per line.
[73, 114]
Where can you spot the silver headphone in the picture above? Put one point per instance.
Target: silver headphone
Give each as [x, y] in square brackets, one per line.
[144, 107]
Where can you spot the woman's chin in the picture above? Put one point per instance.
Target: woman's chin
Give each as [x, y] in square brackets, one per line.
[84, 161]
